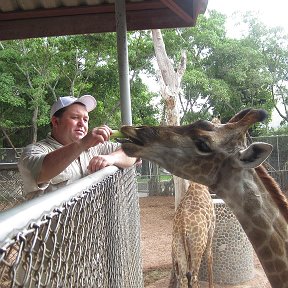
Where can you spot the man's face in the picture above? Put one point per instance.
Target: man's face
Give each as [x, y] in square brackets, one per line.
[72, 125]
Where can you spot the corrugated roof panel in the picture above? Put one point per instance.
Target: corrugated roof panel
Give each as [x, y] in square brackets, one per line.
[26, 5]
[21, 19]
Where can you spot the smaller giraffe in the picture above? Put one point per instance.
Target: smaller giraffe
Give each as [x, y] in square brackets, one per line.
[193, 229]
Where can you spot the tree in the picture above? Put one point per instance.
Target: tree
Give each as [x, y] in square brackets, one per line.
[38, 71]
[223, 75]
[273, 44]
[170, 85]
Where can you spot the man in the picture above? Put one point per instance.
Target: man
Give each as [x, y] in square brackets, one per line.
[69, 152]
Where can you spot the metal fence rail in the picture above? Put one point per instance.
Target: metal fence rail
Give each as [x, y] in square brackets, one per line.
[84, 235]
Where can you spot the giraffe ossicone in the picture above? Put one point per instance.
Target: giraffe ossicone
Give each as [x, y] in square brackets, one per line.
[217, 155]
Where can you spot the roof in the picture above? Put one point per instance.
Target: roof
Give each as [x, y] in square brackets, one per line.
[41, 18]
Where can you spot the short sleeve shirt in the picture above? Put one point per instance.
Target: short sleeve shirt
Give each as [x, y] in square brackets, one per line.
[30, 164]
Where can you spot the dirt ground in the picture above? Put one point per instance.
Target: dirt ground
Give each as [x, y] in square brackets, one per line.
[156, 235]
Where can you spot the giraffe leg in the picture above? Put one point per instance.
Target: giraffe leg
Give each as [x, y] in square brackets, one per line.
[192, 280]
[189, 279]
[209, 253]
[174, 281]
[210, 265]
[195, 282]
[194, 265]
[192, 275]
[176, 278]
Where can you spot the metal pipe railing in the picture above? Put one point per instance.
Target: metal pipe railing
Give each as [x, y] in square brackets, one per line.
[86, 234]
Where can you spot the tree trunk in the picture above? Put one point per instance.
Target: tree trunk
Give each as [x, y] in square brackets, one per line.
[170, 80]
[34, 124]
[9, 141]
[154, 183]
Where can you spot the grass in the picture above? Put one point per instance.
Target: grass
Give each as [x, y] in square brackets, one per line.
[142, 179]
[154, 274]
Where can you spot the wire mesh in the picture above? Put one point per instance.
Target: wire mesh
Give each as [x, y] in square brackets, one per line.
[92, 240]
[11, 186]
[277, 162]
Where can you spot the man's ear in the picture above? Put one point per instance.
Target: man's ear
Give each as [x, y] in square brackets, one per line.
[254, 155]
[54, 121]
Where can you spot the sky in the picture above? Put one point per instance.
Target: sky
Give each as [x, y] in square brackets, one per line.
[271, 13]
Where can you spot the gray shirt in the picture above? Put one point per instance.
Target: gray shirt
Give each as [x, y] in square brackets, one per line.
[30, 164]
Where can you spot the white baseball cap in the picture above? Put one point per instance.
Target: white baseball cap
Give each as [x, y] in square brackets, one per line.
[88, 100]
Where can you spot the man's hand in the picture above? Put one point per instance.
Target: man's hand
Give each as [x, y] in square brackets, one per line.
[96, 136]
[99, 162]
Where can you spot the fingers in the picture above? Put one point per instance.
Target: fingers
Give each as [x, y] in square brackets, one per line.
[102, 133]
[99, 162]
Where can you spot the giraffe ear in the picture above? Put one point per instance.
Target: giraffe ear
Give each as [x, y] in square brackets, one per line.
[254, 155]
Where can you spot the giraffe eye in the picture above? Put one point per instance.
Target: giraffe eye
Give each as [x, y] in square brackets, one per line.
[202, 146]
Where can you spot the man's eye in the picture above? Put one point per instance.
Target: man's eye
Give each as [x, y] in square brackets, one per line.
[202, 146]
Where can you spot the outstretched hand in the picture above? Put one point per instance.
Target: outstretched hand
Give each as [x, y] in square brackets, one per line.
[96, 136]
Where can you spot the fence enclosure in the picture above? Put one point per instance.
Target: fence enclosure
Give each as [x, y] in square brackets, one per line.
[84, 235]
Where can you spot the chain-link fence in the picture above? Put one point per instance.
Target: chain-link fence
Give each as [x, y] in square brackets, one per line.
[277, 162]
[10, 155]
[11, 186]
[75, 236]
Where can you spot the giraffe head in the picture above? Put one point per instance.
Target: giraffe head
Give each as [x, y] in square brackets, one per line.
[198, 151]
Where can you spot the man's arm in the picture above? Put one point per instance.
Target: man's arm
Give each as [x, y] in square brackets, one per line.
[57, 161]
[117, 158]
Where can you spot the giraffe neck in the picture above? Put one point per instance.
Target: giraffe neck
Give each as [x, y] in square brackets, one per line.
[262, 220]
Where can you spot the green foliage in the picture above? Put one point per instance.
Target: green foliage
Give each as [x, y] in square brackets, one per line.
[223, 75]
[35, 72]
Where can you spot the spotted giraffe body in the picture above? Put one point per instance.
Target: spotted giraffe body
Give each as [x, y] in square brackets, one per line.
[217, 155]
[193, 229]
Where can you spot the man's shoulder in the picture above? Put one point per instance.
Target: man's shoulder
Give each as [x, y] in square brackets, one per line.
[47, 144]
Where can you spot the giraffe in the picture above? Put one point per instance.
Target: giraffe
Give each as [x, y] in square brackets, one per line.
[193, 229]
[217, 155]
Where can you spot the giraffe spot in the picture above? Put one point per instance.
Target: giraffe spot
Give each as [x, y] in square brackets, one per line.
[202, 179]
[284, 276]
[260, 222]
[275, 280]
[269, 266]
[257, 237]
[276, 245]
[265, 253]
[279, 265]
[251, 207]
[281, 225]
[245, 224]
[206, 167]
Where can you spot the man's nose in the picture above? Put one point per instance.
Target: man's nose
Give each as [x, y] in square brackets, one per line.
[81, 122]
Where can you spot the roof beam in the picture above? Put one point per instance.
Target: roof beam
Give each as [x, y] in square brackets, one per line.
[181, 8]
[89, 23]
[142, 15]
